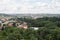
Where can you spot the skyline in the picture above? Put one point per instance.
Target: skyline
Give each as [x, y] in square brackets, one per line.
[30, 6]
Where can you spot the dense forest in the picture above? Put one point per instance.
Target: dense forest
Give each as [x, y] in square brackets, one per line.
[42, 22]
[49, 29]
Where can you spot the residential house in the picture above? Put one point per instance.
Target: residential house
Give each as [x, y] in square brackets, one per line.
[23, 25]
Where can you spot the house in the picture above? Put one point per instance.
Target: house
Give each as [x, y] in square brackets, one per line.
[10, 24]
[23, 25]
[4, 19]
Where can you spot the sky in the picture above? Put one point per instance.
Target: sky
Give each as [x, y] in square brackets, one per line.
[29, 6]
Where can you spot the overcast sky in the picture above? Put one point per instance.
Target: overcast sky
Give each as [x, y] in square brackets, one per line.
[29, 6]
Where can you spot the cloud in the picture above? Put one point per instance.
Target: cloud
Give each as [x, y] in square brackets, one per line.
[29, 6]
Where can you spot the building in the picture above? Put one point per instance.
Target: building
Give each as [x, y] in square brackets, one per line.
[23, 25]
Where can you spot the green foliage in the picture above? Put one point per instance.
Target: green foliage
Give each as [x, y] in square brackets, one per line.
[42, 22]
[49, 29]
[43, 33]
[12, 33]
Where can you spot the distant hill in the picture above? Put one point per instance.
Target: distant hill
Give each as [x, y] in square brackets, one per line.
[22, 15]
[47, 15]
[4, 15]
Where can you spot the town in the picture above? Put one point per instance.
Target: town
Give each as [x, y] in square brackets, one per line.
[18, 20]
[12, 22]
[32, 27]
